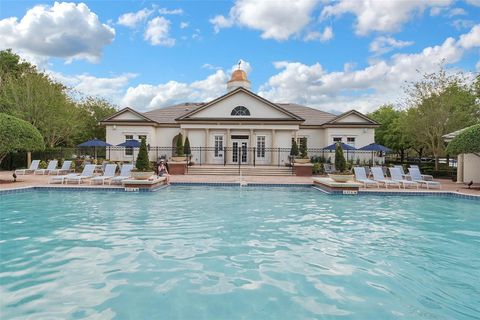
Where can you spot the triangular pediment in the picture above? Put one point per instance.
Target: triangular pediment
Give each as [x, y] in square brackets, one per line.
[257, 108]
[352, 117]
[127, 115]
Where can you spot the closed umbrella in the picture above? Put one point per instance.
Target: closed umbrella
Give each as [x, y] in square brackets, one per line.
[94, 143]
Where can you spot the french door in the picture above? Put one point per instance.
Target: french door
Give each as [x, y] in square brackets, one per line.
[239, 151]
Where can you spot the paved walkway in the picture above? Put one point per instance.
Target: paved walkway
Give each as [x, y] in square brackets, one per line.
[38, 180]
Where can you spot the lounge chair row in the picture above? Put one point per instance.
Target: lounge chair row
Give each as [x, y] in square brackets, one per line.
[398, 179]
[88, 174]
[51, 168]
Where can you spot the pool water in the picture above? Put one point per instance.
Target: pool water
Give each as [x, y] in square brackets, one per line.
[237, 253]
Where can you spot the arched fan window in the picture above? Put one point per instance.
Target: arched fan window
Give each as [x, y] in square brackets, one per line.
[240, 111]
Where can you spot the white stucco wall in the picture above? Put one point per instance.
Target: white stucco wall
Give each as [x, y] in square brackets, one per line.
[363, 136]
[115, 134]
[471, 168]
[257, 109]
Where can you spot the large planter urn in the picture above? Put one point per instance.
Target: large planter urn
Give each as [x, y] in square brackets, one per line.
[142, 175]
[179, 159]
[303, 161]
[341, 177]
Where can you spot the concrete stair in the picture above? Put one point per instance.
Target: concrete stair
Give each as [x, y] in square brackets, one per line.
[246, 170]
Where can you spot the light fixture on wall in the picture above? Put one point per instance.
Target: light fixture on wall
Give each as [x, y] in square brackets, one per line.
[114, 127]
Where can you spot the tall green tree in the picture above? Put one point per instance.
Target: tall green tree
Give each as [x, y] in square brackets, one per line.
[92, 111]
[18, 135]
[440, 103]
[391, 132]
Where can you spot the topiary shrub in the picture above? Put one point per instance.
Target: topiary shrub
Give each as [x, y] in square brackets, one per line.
[340, 163]
[467, 141]
[294, 149]
[18, 135]
[179, 149]
[143, 163]
[303, 148]
[186, 147]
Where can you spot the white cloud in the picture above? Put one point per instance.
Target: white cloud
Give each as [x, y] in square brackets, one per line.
[324, 36]
[463, 24]
[380, 82]
[110, 88]
[172, 12]
[132, 19]
[477, 66]
[220, 22]
[471, 39]
[244, 65]
[384, 16]
[272, 18]
[157, 32]
[382, 44]
[65, 30]
[473, 2]
[184, 25]
[147, 97]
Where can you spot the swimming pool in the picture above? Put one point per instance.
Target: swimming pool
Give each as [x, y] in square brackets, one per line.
[231, 253]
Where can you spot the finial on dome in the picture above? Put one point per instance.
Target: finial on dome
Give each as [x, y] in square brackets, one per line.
[238, 79]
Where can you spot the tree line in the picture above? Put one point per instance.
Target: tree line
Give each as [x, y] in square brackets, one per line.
[437, 104]
[31, 95]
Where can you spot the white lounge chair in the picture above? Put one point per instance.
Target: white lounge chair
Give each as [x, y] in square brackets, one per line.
[417, 177]
[87, 173]
[33, 166]
[396, 175]
[361, 176]
[64, 169]
[405, 176]
[108, 173]
[426, 177]
[52, 164]
[124, 174]
[379, 177]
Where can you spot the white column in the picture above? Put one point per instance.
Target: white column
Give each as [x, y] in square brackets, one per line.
[460, 164]
[207, 144]
[228, 155]
[250, 155]
[274, 154]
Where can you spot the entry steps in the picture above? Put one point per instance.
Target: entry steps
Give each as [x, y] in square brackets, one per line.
[245, 170]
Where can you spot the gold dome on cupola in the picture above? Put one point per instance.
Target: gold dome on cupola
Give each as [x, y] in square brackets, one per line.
[238, 79]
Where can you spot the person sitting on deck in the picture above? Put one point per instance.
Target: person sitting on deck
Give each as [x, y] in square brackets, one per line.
[162, 171]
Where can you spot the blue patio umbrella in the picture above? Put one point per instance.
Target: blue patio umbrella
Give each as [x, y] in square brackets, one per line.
[343, 145]
[375, 147]
[131, 143]
[94, 143]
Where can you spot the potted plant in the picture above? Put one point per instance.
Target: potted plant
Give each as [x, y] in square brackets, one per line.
[341, 174]
[186, 148]
[179, 150]
[303, 152]
[293, 150]
[143, 170]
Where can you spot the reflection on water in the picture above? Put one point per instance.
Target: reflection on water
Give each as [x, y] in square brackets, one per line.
[229, 253]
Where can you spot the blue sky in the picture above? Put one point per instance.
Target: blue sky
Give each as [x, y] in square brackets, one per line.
[332, 55]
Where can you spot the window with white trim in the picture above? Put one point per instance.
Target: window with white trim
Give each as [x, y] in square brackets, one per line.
[128, 150]
[140, 136]
[260, 146]
[240, 111]
[218, 146]
[337, 139]
[351, 141]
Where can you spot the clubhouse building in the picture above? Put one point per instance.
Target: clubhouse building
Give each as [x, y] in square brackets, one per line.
[239, 126]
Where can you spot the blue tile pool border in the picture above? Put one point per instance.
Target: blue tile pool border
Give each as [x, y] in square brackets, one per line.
[452, 194]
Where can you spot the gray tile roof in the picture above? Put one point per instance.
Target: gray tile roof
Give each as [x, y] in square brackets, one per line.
[169, 114]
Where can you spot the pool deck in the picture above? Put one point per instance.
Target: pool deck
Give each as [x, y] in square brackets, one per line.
[25, 181]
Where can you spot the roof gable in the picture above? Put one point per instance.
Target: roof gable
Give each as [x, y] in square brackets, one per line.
[352, 117]
[127, 115]
[258, 107]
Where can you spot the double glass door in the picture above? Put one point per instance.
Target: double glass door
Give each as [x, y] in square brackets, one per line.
[239, 151]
